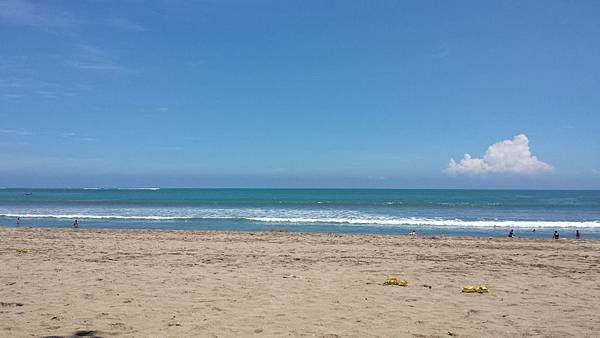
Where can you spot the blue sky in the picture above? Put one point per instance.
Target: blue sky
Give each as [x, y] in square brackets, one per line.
[300, 94]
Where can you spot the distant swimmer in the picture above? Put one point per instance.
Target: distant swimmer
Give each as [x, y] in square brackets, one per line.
[556, 234]
[511, 233]
[413, 233]
[577, 234]
[76, 224]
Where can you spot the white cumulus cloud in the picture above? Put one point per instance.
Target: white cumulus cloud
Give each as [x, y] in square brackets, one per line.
[505, 157]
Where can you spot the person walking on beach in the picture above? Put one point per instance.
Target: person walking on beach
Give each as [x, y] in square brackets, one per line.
[577, 234]
[76, 224]
[556, 234]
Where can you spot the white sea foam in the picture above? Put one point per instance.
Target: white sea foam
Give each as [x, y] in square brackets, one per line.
[84, 216]
[311, 217]
[153, 189]
[434, 222]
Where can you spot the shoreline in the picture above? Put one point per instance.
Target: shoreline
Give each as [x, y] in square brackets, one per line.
[291, 232]
[140, 282]
[542, 234]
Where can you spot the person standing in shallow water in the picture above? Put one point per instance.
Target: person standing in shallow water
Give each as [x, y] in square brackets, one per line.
[76, 224]
[511, 233]
[18, 221]
[577, 234]
[556, 234]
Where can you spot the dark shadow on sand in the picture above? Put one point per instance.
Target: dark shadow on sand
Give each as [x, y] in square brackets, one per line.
[79, 333]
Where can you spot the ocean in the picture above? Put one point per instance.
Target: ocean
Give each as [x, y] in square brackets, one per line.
[480, 213]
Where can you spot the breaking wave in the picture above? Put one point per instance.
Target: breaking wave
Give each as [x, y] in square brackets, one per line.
[84, 216]
[362, 220]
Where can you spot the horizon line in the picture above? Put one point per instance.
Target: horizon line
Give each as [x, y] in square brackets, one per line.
[285, 188]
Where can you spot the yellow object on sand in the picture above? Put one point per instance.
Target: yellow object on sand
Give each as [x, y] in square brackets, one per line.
[395, 281]
[23, 250]
[475, 289]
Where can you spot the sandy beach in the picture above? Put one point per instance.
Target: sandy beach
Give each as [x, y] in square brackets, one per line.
[63, 282]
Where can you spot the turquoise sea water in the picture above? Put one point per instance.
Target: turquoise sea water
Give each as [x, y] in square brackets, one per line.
[429, 212]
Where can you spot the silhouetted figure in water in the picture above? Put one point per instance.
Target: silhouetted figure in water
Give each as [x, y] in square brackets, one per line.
[76, 224]
[556, 234]
[18, 220]
[577, 234]
[511, 233]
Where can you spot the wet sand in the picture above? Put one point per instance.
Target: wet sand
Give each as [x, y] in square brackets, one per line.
[139, 283]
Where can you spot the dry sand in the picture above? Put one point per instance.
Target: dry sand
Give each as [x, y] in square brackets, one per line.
[180, 283]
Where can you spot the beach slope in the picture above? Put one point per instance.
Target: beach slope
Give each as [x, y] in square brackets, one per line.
[63, 282]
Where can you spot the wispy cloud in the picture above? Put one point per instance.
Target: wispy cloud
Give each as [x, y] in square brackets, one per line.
[84, 86]
[15, 73]
[440, 52]
[19, 79]
[93, 65]
[67, 134]
[31, 88]
[26, 13]
[125, 24]
[52, 18]
[19, 89]
[48, 94]
[15, 132]
[73, 135]
[89, 57]
[10, 97]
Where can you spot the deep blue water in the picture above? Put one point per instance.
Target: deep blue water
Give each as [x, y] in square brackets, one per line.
[429, 212]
